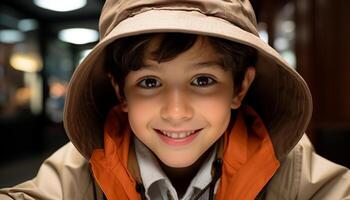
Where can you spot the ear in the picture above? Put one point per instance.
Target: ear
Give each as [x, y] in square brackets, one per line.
[117, 93]
[247, 81]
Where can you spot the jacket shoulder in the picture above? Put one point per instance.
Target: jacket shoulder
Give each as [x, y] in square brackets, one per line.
[306, 175]
[64, 175]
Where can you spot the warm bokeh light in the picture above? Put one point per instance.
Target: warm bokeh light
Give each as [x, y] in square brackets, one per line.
[22, 96]
[26, 62]
[57, 89]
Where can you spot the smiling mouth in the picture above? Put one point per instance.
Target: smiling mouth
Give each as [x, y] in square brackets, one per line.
[177, 135]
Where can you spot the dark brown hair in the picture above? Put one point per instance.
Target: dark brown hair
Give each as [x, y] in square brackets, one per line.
[127, 54]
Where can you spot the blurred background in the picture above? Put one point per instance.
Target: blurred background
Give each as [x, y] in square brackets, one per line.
[42, 41]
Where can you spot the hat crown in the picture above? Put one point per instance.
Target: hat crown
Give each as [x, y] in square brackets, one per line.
[237, 12]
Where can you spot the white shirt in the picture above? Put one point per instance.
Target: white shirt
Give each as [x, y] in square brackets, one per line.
[157, 184]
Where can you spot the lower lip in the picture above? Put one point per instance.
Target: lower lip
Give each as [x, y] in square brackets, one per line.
[178, 142]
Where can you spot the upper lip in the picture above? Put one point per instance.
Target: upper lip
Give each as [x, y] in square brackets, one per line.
[177, 131]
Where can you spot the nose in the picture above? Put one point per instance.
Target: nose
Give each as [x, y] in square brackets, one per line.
[176, 107]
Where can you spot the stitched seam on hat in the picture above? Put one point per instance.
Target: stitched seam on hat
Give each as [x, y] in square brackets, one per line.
[224, 17]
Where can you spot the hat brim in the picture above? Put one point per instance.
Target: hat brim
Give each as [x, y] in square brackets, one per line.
[278, 94]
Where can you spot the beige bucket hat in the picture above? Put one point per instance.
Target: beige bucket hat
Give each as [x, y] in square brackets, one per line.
[278, 94]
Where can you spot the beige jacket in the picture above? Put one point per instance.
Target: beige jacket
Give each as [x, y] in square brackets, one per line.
[303, 175]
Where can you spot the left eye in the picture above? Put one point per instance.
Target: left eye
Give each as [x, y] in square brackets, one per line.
[203, 81]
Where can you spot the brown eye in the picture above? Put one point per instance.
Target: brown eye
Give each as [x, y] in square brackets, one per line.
[203, 81]
[149, 83]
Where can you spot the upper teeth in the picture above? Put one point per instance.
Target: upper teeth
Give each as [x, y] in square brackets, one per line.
[178, 135]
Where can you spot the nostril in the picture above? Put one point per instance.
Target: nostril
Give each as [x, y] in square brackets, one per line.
[176, 106]
[176, 113]
[176, 117]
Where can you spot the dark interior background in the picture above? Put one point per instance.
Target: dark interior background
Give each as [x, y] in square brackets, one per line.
[318, 44]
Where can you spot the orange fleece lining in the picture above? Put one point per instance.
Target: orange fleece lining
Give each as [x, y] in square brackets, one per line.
[246, 172]
[109, 165]
[249, 159]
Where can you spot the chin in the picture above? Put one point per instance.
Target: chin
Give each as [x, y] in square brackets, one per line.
[178, 162]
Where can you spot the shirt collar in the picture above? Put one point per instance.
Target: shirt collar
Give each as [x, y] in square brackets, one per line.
[152, 173]
[150, 170]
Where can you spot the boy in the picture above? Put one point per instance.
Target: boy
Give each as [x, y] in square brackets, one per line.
[182, 100]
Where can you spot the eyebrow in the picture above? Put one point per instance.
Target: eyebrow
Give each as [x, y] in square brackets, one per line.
[195, 66]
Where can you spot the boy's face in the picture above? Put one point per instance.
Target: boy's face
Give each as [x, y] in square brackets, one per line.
[181, 107]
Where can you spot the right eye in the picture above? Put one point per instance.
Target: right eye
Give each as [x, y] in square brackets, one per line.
[149, 83]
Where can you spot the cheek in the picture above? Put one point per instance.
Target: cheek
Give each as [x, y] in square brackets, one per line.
[140, 113]
[214, 106]
[217, 111]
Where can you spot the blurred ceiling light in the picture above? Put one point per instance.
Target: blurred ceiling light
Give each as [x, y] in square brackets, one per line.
[264, 36]
[281, 44]
[262, 29]
[78, 35]
[10, 36]
[27, 25]
[60, 5]
[288, 26]
[26, 62]
[83, 54]
[290, 57]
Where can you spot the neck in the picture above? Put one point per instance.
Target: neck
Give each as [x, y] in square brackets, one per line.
[181, 177]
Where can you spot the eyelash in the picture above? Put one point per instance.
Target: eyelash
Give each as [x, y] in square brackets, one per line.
[142, 83]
